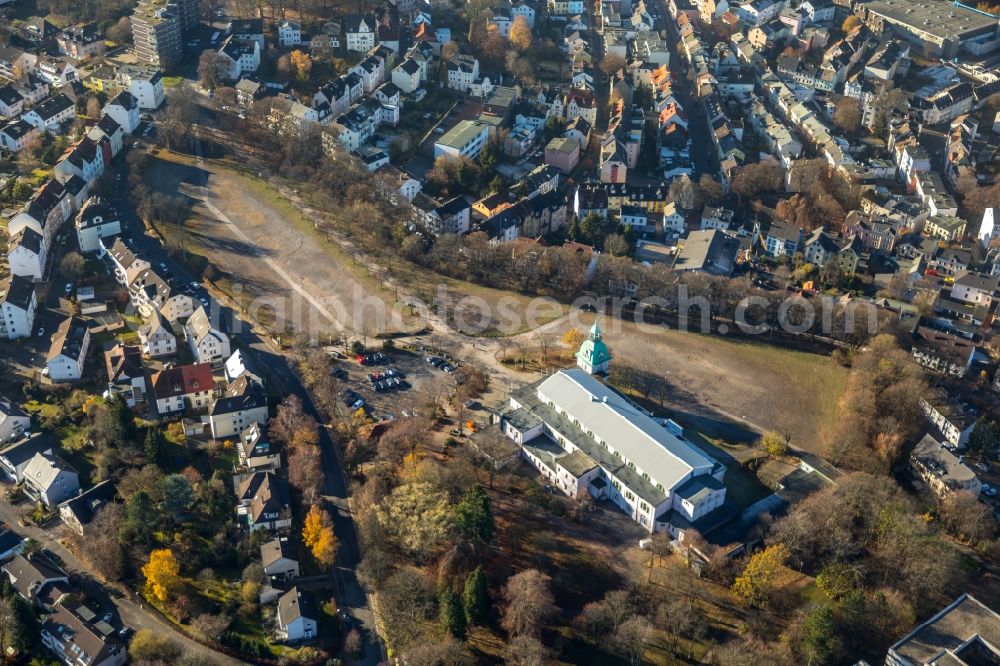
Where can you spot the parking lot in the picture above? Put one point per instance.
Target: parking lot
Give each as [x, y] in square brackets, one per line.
[394, 383]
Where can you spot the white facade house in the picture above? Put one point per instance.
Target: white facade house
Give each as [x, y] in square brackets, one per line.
[144, 82]
[241, 405]
[974, 288]
[68, 351]
[406, 76]
[14, 421]
[17, 307]
[96, 220]
[289, 34]
[463, 71]
[50, 480]
[208, 344]
[296, 616]
[27, 253]
[586, 438]
[242, 56]
[360, 32]
[124, 108]
[51, 113]
[156, 338]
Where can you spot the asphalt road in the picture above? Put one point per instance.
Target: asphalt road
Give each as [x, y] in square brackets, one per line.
[702, 150]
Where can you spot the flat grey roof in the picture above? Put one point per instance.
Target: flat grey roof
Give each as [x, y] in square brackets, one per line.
[938, 18]
[950, 632]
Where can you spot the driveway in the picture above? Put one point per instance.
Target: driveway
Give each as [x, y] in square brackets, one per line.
[132, 613]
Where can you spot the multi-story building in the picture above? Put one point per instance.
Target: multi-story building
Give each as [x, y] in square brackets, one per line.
[68, 351]
[145, 82]
[466, 139]
[17, 307]
[156, 33]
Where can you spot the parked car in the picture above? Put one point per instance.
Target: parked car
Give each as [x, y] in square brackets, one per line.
[69, 288]
[982, 467]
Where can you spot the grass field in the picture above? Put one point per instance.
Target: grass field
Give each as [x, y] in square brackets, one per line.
[729, 388]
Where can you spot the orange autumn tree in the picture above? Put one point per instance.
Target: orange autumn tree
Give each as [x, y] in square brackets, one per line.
[317, 534]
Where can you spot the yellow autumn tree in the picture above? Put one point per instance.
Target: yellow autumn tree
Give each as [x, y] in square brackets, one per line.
[302, 64]
[162, 574]
[757, 581]
[573, 338]
[520, 34]
[318, 536]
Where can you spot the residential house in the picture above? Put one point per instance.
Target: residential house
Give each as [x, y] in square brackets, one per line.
[945, 227]
[97, 219]
[251, 30]
[156, 338]
[50, 480]
[406, 76]
[974, 288]
[360, 32]
[463, 71]
[241, 56]
[951, 419]
[124, 108]
[126, 374]
[17, 307]
[563, 153]
[144, 82]
[57, 72]
[34, 576]
[78, 641]
[15, 135]
[81, 42]
[49, 115]
[783, 239]
[14, 421]
[941, 469]
[182, 386]
[241, 405]
[372, 72]
[279, 559]
[248, 91]
[942, 353]
[68, 350]
[289, 34]
[77, 513]
[11, 101]
[255, 451]
[85, 160]
[108, 128]
[27, 254]
[14, 459]
[208, 343]
[151, 293]
[124, 261]
[263, 501]
[297, 616]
